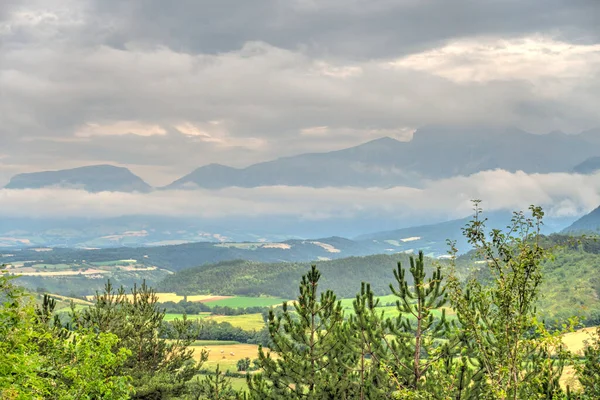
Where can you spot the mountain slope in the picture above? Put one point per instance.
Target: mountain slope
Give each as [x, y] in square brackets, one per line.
[95, 178]
[589, 166]
[435, 152]
[589, 223]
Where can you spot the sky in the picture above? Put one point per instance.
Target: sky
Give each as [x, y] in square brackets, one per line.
[165, 87]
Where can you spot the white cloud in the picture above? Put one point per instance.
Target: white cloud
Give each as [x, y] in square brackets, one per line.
[119, 128]
[535, 59]
[560, 194]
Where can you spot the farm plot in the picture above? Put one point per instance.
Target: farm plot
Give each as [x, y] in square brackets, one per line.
[248, 322]
[244, 302]
[226, 355]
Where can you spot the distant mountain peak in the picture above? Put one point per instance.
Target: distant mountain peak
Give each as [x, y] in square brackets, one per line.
[92, 178]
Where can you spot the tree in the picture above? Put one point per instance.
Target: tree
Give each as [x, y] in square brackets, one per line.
[213, 387]
[309, 354]
[41, 360]
[505, 342]
[400, 354]
[159, 368]
[243, 364]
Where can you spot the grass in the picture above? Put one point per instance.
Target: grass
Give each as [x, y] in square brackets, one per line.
[55, 266]
[239, 384]
[171, 317]
[247, 322]
[244, 302]
[214, 342]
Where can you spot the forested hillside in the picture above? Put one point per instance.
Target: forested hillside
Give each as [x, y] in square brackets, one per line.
[571, 279]
[280, 279]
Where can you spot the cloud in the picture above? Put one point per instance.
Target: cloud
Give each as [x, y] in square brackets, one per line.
[560, 194]
[165, 88]
[119, 128]
[344, 28]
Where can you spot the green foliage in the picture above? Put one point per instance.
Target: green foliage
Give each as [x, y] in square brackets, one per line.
[503, 339]
[589, 370]
[159, 368]
[310, 355]
[243, 364]
[213, 387]
[41, 360]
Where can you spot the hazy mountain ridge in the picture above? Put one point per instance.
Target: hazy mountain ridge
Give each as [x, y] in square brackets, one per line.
[434, 153]
[589, 223]
[589, 166]
[95, 178]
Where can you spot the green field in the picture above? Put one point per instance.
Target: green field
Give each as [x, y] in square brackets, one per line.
[56, 266]
[214, 343]
[383, 300]
[239, 384]
[171, 317]
[248, 322]
[243, 302]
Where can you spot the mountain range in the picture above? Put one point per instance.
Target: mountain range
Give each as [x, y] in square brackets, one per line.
[435, 152]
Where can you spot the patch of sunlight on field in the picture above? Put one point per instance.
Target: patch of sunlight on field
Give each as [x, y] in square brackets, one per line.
[247, 322]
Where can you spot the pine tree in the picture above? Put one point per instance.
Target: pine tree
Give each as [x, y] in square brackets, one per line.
[367, 379]
[213, 387]
[409, 346]
[307, 357]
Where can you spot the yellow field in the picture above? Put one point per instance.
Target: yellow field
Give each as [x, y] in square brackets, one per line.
[575, 341]
[221, 355]
[164, 297]
[247, 322]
